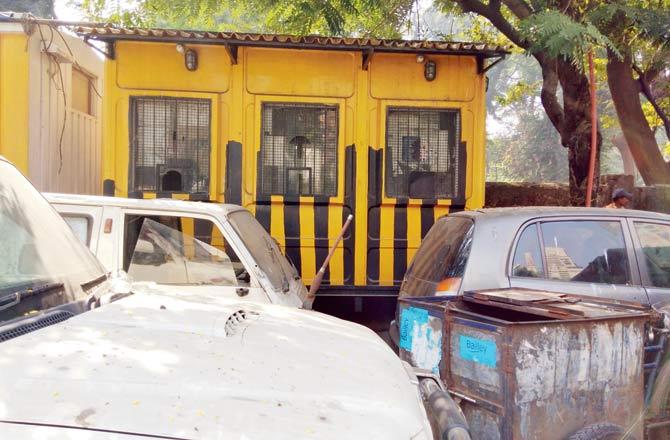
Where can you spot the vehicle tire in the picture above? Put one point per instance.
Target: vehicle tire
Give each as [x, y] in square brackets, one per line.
[600, 431]
[659, 405]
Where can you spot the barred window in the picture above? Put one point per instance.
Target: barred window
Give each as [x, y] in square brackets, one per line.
[170, 144]
[298, 149]
[423, 153]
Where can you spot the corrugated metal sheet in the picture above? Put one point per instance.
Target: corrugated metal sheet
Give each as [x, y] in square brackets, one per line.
[113, 33]
[52, 116]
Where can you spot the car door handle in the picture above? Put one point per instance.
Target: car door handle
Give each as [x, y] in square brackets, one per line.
[242, 291]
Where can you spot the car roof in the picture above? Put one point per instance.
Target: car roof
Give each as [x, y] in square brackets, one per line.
[152, 204]
[522, 214]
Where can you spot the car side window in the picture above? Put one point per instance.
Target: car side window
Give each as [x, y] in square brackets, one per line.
[179, 250]
[586, 250]
[528, 255]
[655, 243]
[80, 225]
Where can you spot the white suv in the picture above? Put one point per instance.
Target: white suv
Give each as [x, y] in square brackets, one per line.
[83, 359]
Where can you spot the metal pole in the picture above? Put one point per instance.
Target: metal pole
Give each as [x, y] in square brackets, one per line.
[316, 283]
[594, 132]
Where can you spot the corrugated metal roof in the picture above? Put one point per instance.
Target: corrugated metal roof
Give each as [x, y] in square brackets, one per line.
[113, 33]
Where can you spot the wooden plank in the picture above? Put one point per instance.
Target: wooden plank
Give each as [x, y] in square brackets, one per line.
[517, 296]
[524, 308]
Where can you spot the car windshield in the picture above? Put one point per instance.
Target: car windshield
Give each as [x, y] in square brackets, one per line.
[43, 265]
[264, 250]
[168, 256]
[439, 264]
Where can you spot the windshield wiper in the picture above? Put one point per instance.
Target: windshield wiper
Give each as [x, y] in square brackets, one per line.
[94, 282]
[8, 301]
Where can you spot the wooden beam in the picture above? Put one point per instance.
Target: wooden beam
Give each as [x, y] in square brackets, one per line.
[232, 52]
[367, 57]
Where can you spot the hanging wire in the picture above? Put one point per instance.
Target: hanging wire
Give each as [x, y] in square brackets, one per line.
[29, 19]
[52, 60]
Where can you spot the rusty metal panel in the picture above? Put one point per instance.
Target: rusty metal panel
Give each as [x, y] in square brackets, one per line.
[578, 373]
[524, 374]
[475, 360]
[421, 335]
[484, 423]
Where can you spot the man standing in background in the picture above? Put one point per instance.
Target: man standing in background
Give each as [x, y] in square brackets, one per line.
[620, 199]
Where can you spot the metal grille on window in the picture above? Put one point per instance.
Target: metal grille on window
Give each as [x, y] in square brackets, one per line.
[423, 153]
[170, 144]
[299, 150]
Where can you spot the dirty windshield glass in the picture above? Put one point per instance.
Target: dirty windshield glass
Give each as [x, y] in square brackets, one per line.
[168, 256]
[43, 264]
[263, 249]
[439, 264]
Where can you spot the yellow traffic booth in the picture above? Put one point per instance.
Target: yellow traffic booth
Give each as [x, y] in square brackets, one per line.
[303, 132]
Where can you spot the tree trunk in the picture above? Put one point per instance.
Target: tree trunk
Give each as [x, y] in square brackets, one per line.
[626, 157]
[639, 136]
[572, 120]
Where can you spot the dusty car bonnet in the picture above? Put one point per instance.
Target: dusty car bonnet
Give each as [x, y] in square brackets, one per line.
[208, 368]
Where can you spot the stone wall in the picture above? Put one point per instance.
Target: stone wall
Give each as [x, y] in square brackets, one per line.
[501, 194]
[647, 198]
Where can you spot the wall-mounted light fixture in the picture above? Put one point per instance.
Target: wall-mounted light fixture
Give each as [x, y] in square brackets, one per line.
[430, 70]
[190, 57]
[420, 59]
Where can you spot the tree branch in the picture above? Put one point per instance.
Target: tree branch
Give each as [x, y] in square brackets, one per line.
[646, 91]
[549, 97]
[519, 8]
[496, 18]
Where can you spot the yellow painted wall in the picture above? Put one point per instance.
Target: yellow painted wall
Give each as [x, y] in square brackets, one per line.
[14, 79]
[162, 68]
[237, 93]
[398, 76]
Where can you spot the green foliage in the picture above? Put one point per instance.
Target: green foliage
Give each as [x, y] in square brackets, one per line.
[520, 92]
[522, 145]
[528, 151]
[473, 27]
[561, 36]
[634, 20]
[334, 17]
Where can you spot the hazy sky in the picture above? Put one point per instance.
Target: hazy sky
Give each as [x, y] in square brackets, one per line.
[65, 12]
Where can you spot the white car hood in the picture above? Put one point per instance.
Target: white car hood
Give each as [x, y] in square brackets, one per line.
[182, 367]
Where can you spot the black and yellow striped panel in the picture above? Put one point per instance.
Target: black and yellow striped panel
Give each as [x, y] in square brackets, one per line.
[198, 197]
[306, 228]
[395, 229]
